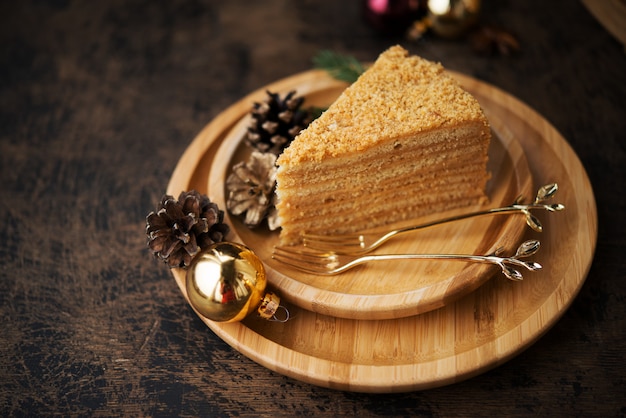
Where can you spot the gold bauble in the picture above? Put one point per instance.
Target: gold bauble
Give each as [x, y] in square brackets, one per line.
[452, 18]
[226, 282]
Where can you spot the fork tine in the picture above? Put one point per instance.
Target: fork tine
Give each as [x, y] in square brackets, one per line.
[293, 263]
[309, 257]
[310, 262]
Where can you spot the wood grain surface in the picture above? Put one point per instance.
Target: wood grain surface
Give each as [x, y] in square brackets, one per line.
[99, 101]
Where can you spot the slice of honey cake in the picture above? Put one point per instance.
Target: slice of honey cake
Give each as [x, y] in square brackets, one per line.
[404, 140]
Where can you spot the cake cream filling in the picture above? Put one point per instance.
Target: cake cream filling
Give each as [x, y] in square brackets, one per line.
[395, 178]
[433, 148]
[371, 215]
[410, 193]
[375, 177]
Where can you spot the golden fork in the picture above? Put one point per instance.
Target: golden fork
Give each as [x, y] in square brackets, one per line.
[330, 263]
[358, 244]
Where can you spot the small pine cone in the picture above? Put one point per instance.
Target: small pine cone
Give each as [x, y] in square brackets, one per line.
[276, 121]
[251, 187]
[180, 229]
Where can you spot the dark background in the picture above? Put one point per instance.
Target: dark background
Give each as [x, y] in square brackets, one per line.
[98, 101]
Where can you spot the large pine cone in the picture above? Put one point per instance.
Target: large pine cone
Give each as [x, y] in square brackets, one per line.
[276, 121]
[179, 229]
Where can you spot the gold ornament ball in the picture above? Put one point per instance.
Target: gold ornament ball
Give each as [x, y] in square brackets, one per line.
[452, 18]
[226, 282]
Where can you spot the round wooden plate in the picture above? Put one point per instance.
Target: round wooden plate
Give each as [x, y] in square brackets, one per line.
[387, 290]
[461, 339]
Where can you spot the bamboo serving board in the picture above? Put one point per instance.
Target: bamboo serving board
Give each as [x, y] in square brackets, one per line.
[463, 338]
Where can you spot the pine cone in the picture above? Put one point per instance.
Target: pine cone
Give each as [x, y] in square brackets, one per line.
[276, 121]
[179, 229]
[251, 188]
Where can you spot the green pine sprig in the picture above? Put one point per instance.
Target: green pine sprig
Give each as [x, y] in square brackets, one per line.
[342, 67]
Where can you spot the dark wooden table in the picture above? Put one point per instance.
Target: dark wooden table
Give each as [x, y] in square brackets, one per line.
[98, 101]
